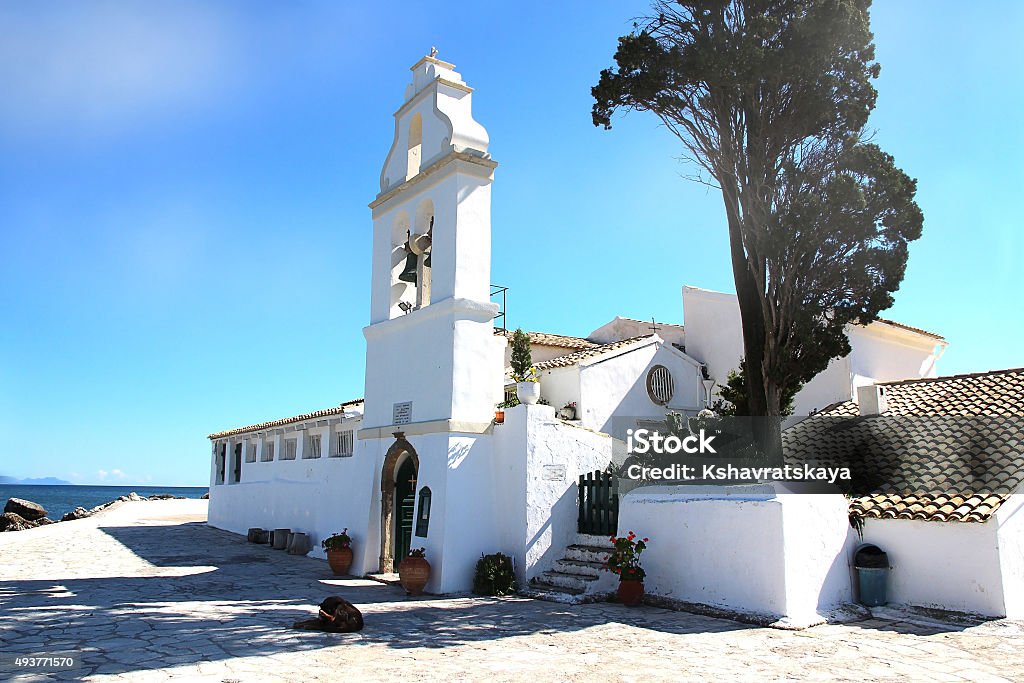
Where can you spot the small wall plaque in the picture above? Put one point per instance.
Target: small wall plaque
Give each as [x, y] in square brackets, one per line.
[553, 473]
[402, 413]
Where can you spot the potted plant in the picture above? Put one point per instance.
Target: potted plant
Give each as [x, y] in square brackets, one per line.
[414, 571]
[625, 561]
[339, 552]
[523, 372]
[568, 411]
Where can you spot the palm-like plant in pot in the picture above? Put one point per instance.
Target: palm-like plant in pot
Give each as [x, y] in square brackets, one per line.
[523, 372]
[339, 552]
[624, 560]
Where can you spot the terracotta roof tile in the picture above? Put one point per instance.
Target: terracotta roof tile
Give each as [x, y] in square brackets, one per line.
[547, 339]
[948, 449]
[596, 350]
[335, 410]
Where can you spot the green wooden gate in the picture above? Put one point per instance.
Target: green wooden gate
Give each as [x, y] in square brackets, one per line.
[598, 504]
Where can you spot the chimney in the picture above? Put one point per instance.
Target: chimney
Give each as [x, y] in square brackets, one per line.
[871, 399]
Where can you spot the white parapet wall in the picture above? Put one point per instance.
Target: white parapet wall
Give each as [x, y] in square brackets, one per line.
[538, 460]
[977, 568]
[753, 550]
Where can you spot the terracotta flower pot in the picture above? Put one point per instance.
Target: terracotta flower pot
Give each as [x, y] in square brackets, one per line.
[340, 560]
[631, 593]
[413, 573]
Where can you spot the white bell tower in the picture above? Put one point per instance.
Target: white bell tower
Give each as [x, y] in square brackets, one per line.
[431, 338]
[434, 367]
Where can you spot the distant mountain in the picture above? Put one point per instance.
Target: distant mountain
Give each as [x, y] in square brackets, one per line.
[42, 481]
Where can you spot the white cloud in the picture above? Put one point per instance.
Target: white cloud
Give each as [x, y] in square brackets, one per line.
[102, 474]
[95, 67]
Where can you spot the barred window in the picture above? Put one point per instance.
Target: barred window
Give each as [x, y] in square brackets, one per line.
[288, 448]
[660, 386]
[312, 447]
[343, 442]
[250, 452]
[268, 451]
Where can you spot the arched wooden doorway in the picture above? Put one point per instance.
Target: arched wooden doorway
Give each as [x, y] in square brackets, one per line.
[398, 498]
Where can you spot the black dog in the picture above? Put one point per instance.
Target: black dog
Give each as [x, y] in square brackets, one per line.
[337, 615]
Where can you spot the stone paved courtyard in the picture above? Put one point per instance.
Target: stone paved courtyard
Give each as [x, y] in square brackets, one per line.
[148, 592]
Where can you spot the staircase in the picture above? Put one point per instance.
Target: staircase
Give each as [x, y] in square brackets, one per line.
[577, 577]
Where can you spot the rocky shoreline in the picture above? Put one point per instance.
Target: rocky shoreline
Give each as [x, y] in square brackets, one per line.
[20, 514]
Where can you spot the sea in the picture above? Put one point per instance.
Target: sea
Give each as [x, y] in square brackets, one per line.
[58, 499]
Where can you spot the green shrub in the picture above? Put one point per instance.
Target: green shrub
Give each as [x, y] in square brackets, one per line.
[494, 575]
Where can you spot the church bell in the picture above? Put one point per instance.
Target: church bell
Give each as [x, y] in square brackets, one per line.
[409, 274]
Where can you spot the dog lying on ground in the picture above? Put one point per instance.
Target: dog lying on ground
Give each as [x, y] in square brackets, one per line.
[337, 615]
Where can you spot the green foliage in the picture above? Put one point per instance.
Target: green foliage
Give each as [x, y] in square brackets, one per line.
[522, 358]
[495, 575]
[734, 395]
[337, 541]
[770, 99]
[509, 403]
[624, 560]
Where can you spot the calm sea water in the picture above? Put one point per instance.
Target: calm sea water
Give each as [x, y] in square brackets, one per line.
[60, 499]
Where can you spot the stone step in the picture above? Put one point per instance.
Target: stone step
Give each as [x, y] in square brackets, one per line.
[579, 567]
[567, 580]
[553, 594]
[597, 541]
[587, 553]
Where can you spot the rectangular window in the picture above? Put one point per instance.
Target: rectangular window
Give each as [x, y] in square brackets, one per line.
[250, 452]
[312, 447]
[268, 451]
[288, 448]
[343, 442]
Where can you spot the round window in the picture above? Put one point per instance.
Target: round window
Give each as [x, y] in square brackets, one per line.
[659, 385]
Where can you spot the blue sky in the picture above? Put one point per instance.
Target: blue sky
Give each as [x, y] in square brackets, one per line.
[183, 191]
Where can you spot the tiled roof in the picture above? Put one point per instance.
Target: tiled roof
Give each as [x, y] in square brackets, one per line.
[918, 330]
[948, 449]
[336, 410]
[560, 340]
[596, 350]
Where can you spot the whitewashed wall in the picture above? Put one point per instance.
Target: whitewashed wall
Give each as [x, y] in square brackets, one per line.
[620, 328]
[318, 497]
[613, 389]
[1010, 538]
[950, 566]
[743, 548]
[538, 462]
[879, 353]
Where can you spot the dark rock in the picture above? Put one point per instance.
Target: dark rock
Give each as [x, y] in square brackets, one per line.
[77, 513]
[166, 496]
[25, 509]
[44, 521]
[205, 496]
[11, 521]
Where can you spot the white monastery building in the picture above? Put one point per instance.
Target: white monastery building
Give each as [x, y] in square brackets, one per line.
[421, 461]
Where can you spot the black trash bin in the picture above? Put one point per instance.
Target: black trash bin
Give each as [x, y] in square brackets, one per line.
[872, 565]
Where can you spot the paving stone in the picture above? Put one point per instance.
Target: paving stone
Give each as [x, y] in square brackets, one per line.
[154, 594]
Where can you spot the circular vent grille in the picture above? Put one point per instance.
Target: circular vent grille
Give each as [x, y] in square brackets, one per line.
[659, 385]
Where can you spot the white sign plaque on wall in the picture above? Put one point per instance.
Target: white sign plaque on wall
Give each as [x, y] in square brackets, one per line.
[553, 473]
[402, 413]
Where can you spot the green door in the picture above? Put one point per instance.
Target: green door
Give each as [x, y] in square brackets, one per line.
[405, 503]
